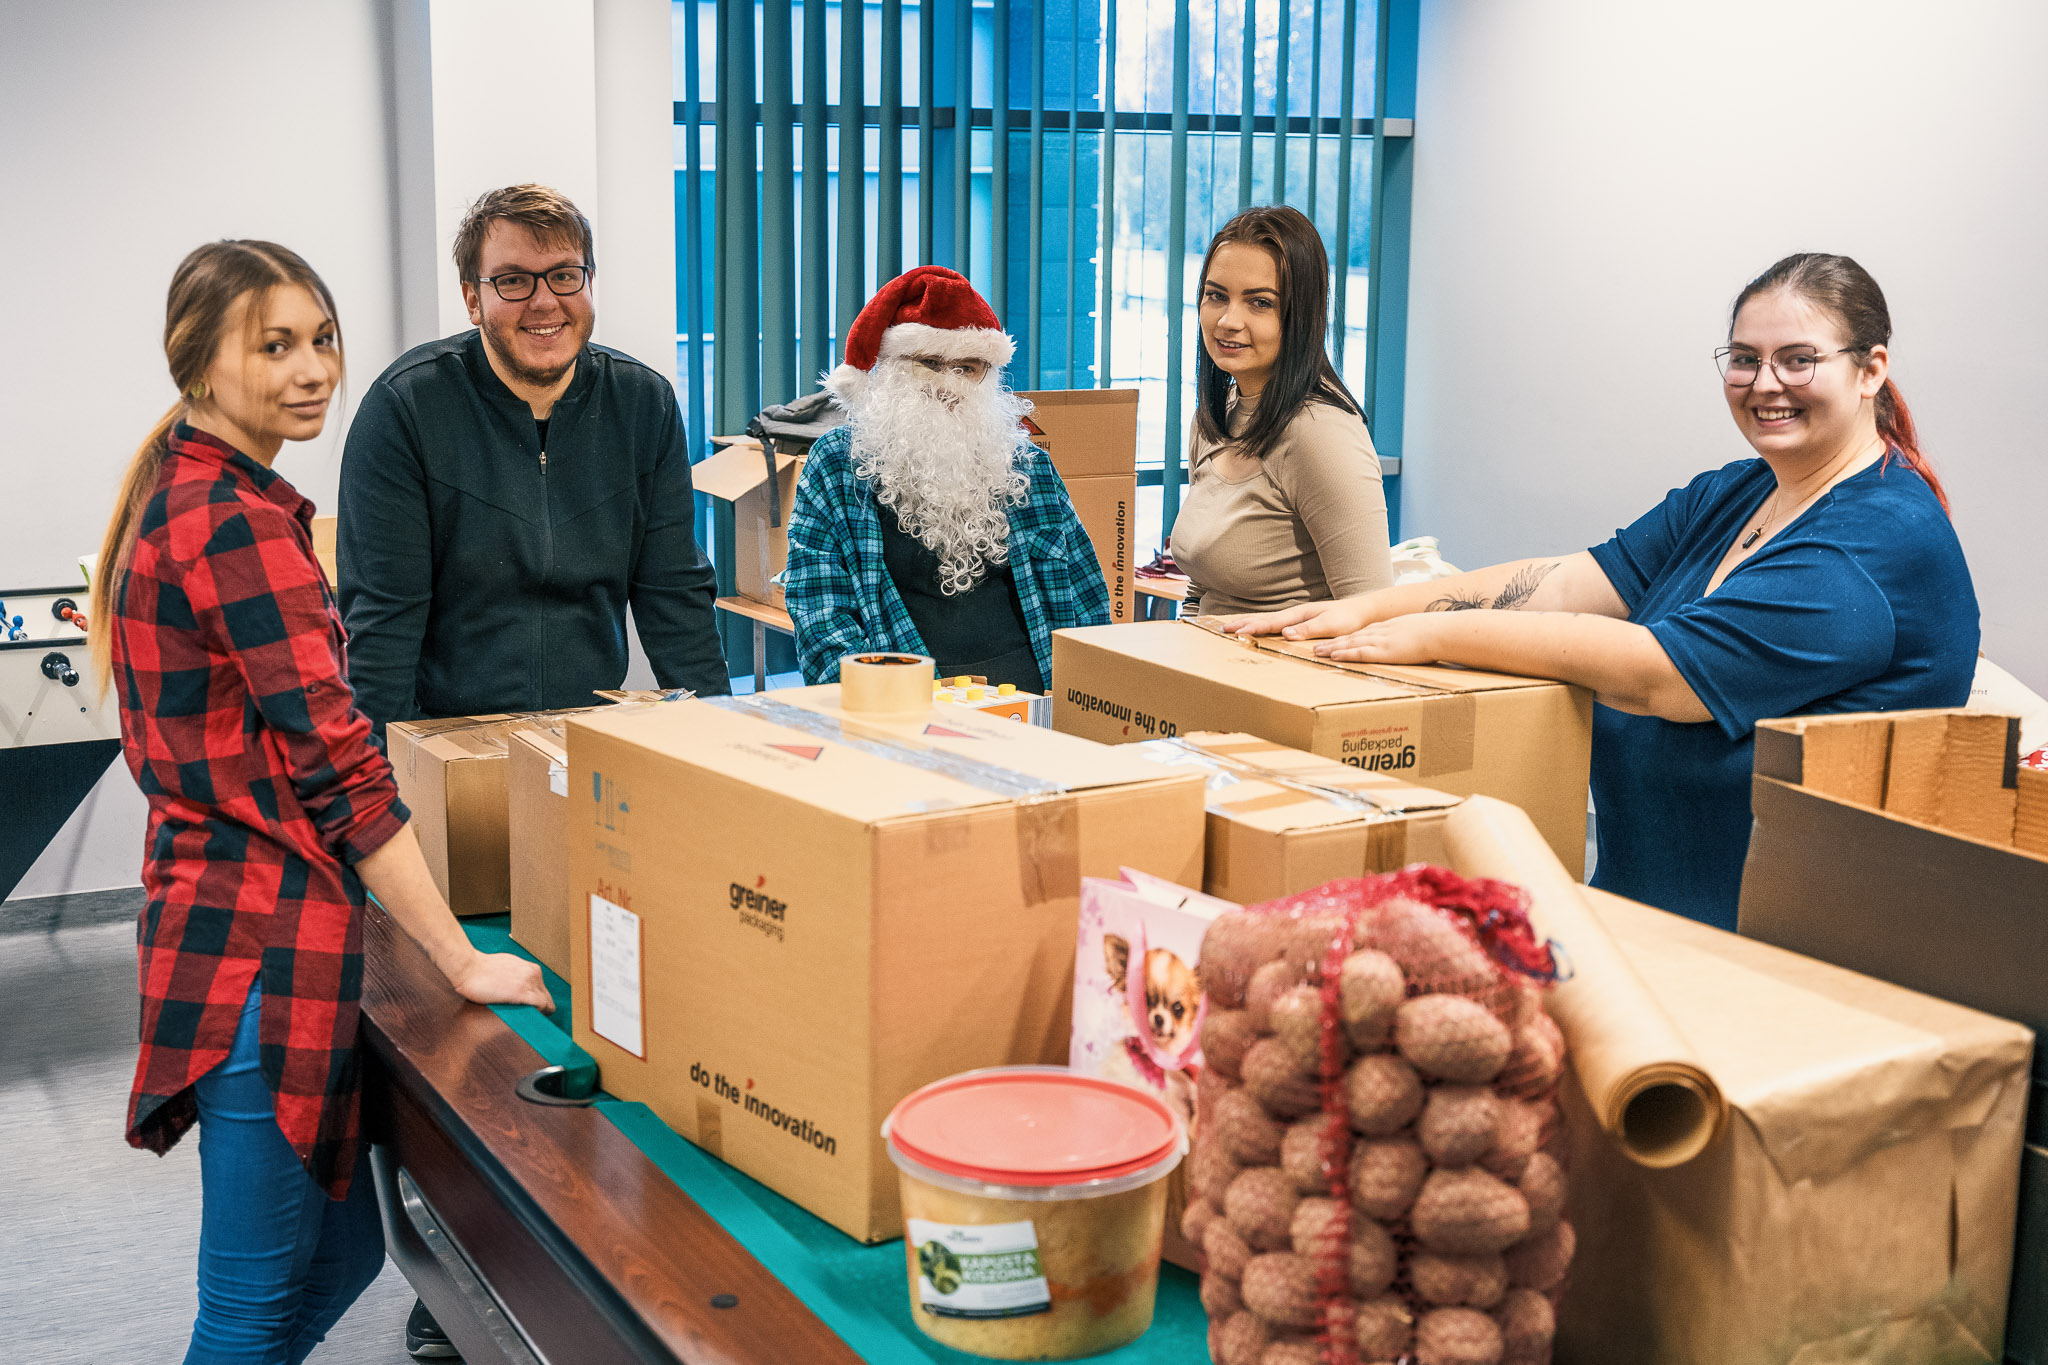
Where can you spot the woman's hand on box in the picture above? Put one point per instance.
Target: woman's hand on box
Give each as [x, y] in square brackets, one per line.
[502, 979]
[1403, 640]
[1310, 621]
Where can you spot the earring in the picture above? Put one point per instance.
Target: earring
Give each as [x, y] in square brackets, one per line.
[198, 392]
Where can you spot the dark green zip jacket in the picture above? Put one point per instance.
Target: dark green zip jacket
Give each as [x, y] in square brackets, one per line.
[480, 573]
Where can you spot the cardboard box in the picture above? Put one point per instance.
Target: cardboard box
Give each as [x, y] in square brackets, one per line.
[537, 811]
[1878, 846]
[1091, 436]
[1138, 1003]
[323, 548]
[738, 474]
[451, 775]
[1859, 1207]
[786, 919]
[1523, 740]
[1913, 846]
[1282, 821]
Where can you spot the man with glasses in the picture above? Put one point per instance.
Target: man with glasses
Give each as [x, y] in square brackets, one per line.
[507, 493]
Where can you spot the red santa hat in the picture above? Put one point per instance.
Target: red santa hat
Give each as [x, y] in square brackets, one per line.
[927, 311]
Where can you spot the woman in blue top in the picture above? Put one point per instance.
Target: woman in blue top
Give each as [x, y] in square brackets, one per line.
[1822, 576]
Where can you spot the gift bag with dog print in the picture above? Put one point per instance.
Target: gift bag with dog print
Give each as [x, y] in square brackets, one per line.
[1138, 997]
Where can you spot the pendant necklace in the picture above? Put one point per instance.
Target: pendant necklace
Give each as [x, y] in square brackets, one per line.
[1763, 525]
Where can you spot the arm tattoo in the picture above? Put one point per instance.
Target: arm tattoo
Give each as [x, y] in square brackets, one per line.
[1523, 586]
[1513, 596]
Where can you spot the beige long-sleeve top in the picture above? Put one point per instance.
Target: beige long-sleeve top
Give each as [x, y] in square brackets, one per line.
[1307, 525]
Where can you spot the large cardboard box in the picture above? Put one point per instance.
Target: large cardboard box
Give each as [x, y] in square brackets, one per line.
[738, 474]
[1885, 843]
[1523, 740]
[451, 775]
[1091, 437]
[788, 919]
[537, 811]
[1913, 846]
[1282, 821]
[1859, 1207]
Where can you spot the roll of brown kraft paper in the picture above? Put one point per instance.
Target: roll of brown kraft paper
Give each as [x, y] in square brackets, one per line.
[1640, 1075]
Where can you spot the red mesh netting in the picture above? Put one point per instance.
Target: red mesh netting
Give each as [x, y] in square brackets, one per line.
[1377, 1175]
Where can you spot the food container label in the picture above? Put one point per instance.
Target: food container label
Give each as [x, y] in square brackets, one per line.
[990, 1271]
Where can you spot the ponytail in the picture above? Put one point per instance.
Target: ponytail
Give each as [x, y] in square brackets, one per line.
[118, 547]
[1895, 425]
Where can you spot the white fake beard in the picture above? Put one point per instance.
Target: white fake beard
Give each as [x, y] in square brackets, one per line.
[949, 470]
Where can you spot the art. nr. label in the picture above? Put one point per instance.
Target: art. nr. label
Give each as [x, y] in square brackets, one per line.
[989, 1271]
[615, 975]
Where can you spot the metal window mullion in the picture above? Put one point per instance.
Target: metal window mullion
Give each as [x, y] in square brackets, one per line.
[1374, 231]
[1347, 94]
[1315, 102]
[1073, 185]
[1286, 24]
[889, 183]
[1176, 267]
[778, 208]
[816, 325]
[999, 160]
[852, 290]
[1247, 104]
[1105, 256]
[693, 232]
[963, 135]
[1034, 290]
[927, 191]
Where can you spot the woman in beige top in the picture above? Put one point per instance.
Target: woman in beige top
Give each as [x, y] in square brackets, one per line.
[1287, 507]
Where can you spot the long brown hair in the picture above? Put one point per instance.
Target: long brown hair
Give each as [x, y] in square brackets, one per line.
[1303, 374]
[204, 290]
[1845, 290]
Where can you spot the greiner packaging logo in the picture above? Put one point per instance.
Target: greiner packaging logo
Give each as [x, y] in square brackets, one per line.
[758, 909]
[1379, 751]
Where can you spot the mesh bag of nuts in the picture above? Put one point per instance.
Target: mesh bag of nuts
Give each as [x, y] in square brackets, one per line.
[1377, 1175]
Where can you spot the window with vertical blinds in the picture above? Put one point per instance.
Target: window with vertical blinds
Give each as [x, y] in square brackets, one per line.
[1072, 158]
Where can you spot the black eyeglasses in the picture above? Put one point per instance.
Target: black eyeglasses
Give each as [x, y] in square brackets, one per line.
[516, 286]
[1794, 368]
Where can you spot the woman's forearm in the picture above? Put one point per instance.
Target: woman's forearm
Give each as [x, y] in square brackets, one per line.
[397, 876]
[1620, 662]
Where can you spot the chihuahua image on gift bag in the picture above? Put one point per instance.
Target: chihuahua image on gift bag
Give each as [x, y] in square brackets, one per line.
[1138, 985]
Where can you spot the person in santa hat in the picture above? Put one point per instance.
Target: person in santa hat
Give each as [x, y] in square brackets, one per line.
[929, 523]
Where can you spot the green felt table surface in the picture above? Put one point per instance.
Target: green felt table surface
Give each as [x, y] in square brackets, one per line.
[859, 1291]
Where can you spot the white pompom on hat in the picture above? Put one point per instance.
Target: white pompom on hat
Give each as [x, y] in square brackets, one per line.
[927, 311]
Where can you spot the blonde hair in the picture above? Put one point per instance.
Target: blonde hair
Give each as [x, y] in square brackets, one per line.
[204, 290]
[546, 213]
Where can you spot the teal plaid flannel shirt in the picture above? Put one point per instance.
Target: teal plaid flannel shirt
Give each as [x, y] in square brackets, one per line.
[843, 601]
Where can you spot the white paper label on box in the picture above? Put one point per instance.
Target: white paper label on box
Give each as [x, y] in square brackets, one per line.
[615, 975]
[558, 778]
[991, 1271]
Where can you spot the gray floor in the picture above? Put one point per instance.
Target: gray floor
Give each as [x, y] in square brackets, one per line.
[96, 1238]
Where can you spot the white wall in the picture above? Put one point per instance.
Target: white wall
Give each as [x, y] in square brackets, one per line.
[1595, 180]
[133, 130]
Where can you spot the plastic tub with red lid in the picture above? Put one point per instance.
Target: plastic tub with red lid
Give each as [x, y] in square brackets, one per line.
[1034, 1200]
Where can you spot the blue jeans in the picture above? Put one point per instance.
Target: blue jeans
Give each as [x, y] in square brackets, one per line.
[279, 1262]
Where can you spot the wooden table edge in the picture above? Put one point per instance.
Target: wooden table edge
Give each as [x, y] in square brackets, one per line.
[649, 1256]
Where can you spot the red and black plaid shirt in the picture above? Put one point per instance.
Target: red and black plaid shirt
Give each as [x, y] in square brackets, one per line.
[263, 787]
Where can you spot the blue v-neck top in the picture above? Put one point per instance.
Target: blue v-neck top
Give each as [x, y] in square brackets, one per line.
[1863, 603]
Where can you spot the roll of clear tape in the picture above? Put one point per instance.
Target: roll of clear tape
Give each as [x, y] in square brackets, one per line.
[1639, 1073]
[885, 684]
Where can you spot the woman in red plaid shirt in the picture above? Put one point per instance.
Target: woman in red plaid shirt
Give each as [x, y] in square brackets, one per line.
[270, 811]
